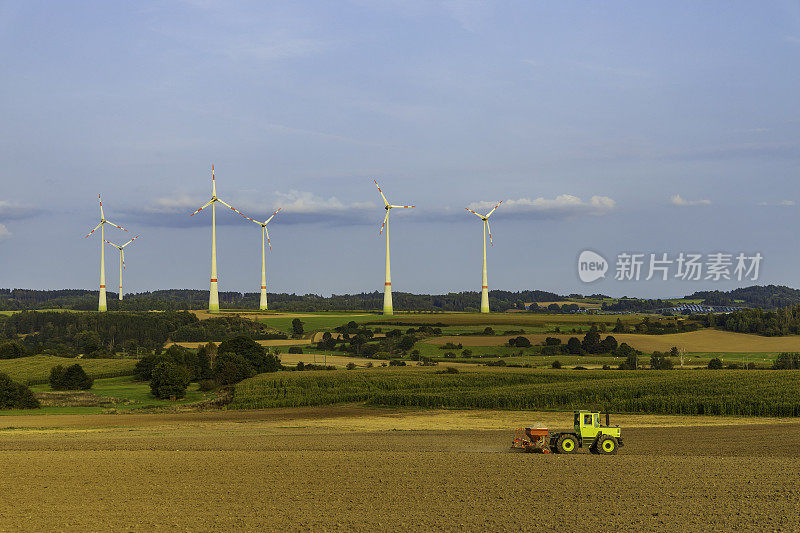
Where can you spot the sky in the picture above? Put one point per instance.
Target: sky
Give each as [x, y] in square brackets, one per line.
[616, 127]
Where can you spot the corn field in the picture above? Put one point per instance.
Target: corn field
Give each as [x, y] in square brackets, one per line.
[689, 392]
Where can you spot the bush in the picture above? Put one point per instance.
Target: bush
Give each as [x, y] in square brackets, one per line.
[448, 370]
[715, 364]
[350, 366]
[397, 362]
[72, 377]
[230, 368]
[169, 380]
[556, 364]
[295, 349]
[16, 395]
[206, 385]
[466, 353]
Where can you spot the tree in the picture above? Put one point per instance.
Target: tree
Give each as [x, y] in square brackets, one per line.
[144, 366]
[618, 327]
[297, 327]
[552, 341]
[520, 342]
[16, 395]
[72, 377]
[169, 380]
[574, 346]
[11, 350]
[591, 341]
[608, 345]
[230, 368]
[660, 361]
[254, 353]
[715, 363]
[130, 347]
[406, 342]
[787, 361]
[204, 356]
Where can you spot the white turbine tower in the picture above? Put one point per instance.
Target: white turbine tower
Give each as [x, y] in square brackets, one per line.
[101, 304]
[485, 284]
[387, 287]
[264, 241]
[121, 260]
[213, 295]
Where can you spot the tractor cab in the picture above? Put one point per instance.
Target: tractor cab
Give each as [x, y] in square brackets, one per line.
[588, 426]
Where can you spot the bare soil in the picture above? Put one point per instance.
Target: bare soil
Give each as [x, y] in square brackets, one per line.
[350, 468]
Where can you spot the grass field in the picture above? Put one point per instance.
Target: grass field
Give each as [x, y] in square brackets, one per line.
[725, 392]
[349, 469]
[36, 369]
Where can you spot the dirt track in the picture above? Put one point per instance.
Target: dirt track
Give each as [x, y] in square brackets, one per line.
[305, 469]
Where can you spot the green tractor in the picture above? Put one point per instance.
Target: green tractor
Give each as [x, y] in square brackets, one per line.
[600, 439]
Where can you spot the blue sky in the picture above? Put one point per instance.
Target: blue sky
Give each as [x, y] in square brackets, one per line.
[615, 126]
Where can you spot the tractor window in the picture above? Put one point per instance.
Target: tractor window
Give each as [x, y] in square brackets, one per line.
[577, 419]
[597, 421]
[587, 420]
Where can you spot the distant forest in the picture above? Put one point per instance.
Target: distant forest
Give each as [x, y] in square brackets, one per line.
[185, 299]
[766, 297]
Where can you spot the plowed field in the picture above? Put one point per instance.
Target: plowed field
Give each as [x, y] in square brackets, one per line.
[346, 469]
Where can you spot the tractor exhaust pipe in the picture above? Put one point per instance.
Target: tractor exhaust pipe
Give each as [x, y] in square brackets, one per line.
[608, 420]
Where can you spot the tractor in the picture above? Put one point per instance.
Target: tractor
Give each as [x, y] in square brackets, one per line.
[588, 433]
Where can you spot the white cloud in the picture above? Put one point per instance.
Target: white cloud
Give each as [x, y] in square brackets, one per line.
[309, 203]
[782, 203]
[12, 210]
[180, 203]
[681, 201]
[4, 233]
[562, 205]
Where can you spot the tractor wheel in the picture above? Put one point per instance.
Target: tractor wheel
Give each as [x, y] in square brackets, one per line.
[566, 444]
[607, 445]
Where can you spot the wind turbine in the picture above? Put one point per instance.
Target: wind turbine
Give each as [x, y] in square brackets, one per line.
[264, 237]
[121, 260]
[101, 304]
[387, 287]
[213, 295]
[485, 285]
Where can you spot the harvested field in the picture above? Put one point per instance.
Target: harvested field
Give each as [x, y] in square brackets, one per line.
[704, 341]
[294, 470]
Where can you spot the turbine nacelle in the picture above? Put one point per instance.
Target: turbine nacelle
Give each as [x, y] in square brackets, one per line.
[388, 207]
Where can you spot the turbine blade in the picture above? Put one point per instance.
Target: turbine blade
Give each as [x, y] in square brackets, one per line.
[237, 211]
[130, 241]
[403, 206]
[495, 207]
[273, 215]
[266, 232]
[112, 244]
[101, 206]
[474, 213]
[385, 201]
[122, 255]
[204, 206]
[95, 228]
[384, 223]
[120, 227]
[490, 233]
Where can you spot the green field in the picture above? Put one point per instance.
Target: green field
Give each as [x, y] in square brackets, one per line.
[36, 369]
[685, 392]
[127, 395]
